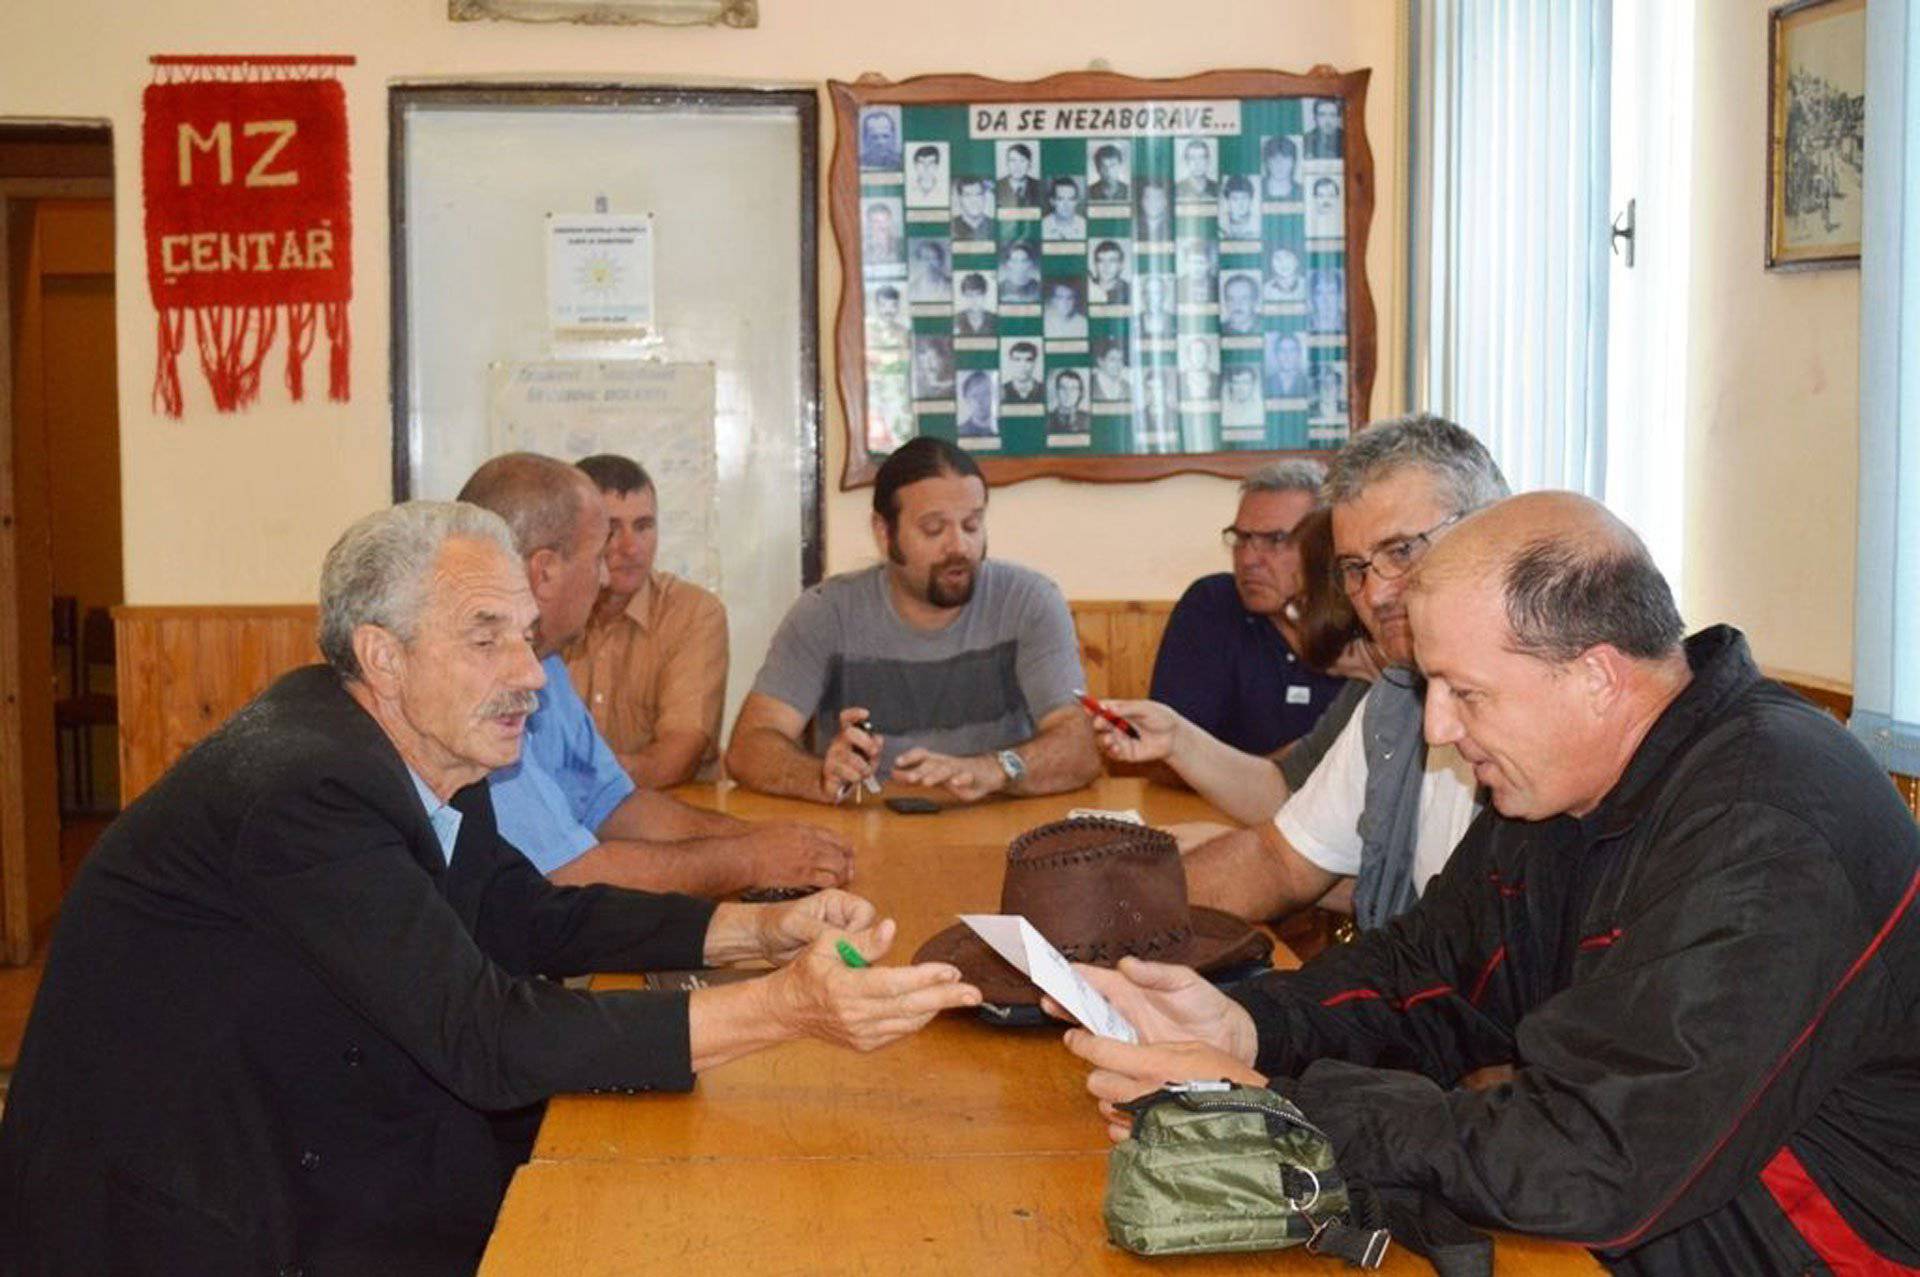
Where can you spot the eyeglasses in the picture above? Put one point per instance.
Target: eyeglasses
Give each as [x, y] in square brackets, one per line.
[1233, 538]
[1392, 560]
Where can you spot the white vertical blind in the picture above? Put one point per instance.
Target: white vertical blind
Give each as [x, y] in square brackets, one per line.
[1510, 254]
[1886, 681]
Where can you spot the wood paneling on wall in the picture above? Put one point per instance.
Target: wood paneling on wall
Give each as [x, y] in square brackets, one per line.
[1118, 639]
[184, 670]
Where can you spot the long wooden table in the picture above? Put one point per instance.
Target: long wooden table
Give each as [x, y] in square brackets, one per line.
[967, 1147]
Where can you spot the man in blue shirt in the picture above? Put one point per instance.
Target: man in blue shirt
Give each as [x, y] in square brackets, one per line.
[1225, 661]
[567, 804]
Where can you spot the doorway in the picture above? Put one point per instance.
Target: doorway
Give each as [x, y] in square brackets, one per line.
[60, 540]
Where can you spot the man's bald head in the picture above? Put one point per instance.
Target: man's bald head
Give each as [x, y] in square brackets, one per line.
[1568, 573]
[1550, 645]
[540, 498]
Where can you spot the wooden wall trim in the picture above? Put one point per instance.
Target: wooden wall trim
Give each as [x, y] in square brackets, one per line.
[182, 671]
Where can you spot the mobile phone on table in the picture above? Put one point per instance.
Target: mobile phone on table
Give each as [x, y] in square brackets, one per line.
[911, 805]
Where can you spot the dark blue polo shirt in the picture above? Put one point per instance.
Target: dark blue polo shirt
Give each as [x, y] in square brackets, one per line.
[1231, 671]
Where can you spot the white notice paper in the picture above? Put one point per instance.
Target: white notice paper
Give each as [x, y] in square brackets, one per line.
[1013, 938]
[600, 270]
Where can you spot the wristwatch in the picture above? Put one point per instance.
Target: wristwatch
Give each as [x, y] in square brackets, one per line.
[1011, 764]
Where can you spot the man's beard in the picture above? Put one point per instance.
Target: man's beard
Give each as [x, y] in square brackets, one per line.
[941, 594]
[938, 594]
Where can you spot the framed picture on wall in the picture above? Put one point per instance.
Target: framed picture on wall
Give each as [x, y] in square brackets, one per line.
[1816, 148]
[1102, 277]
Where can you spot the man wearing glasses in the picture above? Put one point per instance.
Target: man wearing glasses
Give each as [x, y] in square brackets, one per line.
[1381, 809]
[1229, 660]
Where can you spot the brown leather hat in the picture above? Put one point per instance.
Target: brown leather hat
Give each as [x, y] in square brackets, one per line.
[1100, 890]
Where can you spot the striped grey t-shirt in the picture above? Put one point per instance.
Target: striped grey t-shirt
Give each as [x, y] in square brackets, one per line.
[983, 683]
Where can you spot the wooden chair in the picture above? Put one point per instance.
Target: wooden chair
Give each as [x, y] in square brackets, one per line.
[77, 714]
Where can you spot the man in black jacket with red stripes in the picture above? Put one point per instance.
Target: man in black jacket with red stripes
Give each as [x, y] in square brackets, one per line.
[1687, 924]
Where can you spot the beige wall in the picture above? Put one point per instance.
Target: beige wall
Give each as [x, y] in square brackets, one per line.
[1773, 407]
[240, 508]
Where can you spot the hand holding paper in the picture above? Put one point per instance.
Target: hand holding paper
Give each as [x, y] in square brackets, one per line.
[1014, 938]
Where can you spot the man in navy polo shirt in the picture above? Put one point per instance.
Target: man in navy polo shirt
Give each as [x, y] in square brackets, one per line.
[1225, 661]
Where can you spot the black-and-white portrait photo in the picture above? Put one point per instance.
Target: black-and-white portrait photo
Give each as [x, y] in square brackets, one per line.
[928, 276]
[1107, 274]
[1240, 401]
[1156, 421]
[1239, 209]
[1112, 382]
[1329, 391]
[1197, 165]
[1067, 403]
[973, 304]
[1286, 283]
[887, 325]
[1326, 137]
[1065, 310]
[1153, 213]
[1107, 181]
[1018, 171]
[880, 139]
[1199, 368]
[1019, 273]
[1280, 168]
[1195, 264]
[889, 411]
[1066, 217]
[1327, 294]
[932, 366]
[978, 415]
[927, 176]
[972, 208]
[1326, 210]
[882, 232]
[1155, 306]
[1240, 303]
[1020, 372]
[1285, 359]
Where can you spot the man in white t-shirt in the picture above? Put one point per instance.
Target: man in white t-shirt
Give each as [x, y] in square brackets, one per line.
[1381, 810]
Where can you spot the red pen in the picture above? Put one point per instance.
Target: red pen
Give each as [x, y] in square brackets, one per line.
[1096, 708]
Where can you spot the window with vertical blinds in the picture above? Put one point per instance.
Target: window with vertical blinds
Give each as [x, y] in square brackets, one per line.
[1886, 635]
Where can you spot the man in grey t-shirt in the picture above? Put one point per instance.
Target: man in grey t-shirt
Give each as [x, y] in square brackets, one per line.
[961, 670]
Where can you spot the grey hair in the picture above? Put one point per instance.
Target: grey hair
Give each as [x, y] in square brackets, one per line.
[1296, 475]
[1453, 456]
[380, 571]
[1565, 597]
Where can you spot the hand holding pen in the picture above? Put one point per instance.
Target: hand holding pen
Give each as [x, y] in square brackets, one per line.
[1133, 731]
[851, 757]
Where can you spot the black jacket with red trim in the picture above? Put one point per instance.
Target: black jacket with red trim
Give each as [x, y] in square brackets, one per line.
[1707, 987]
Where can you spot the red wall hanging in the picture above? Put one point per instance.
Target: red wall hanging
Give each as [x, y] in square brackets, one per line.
[249, 219]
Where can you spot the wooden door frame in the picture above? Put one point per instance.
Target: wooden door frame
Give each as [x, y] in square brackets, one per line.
[16, 919]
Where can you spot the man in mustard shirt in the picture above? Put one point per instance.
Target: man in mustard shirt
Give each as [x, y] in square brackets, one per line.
[652, 663]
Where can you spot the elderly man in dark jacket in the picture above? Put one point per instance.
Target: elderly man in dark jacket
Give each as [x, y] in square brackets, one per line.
[1687, 927]
[290, 1020]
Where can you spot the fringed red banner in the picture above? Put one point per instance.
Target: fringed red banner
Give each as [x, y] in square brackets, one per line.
[249, 220]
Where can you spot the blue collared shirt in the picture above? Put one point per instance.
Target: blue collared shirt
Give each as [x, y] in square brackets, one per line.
[567, 782]
[440, 814]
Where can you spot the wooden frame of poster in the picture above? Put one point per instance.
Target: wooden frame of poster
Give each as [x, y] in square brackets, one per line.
[914, 337]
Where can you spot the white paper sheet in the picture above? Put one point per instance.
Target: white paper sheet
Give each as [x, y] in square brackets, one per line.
[1014, 938]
